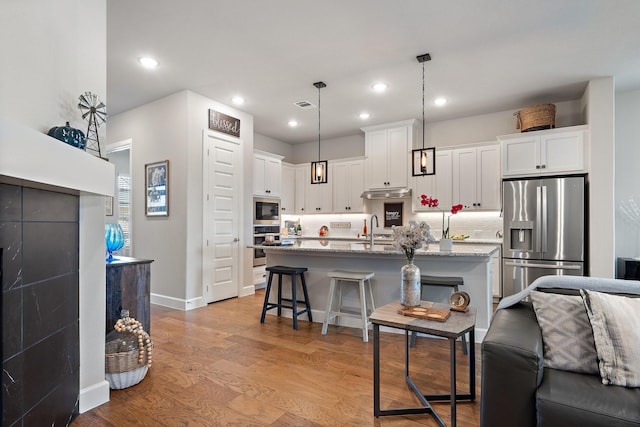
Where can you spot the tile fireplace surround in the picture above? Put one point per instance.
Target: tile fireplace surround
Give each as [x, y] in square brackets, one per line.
[31, 159]
[40, 360]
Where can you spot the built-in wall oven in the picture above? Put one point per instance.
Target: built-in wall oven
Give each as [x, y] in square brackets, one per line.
[266, 211]
[269, 234]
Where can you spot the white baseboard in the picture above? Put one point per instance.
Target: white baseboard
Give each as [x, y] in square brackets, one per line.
[247, 290]
[92, 396]
[177, 303]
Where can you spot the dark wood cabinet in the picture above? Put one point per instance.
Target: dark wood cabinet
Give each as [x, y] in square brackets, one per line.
[129, 288]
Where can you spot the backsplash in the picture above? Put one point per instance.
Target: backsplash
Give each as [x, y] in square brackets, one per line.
[478, 225]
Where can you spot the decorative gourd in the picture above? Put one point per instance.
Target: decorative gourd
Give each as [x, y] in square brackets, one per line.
[68, 135]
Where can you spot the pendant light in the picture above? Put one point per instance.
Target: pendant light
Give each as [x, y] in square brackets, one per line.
[424, 159]
[319, 169]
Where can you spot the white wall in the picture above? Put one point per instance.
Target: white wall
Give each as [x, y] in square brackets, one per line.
[171, 129]
[600, 113]
[158, 131]
[51, 53]
[330, 149]
[446, 133]
[627, 128]
[486, 127]
[270, 145]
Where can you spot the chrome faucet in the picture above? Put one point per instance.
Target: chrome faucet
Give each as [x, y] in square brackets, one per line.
[371, 232]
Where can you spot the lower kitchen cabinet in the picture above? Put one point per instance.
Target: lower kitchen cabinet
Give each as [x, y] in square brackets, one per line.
[259, 276]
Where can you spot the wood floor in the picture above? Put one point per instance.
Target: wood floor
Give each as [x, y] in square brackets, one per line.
[218, 366]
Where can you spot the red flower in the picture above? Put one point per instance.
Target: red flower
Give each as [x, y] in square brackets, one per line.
[433, 203]
[428, 201]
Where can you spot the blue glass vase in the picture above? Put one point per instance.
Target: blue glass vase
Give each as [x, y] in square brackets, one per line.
[114, 239]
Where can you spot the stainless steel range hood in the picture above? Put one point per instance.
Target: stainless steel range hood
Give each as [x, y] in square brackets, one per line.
[395, 193]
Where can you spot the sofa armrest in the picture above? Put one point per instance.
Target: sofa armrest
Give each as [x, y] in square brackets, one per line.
[512, 366]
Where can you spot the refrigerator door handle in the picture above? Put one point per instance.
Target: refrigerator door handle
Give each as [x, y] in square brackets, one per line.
[538, 218]
[543, 218]
[534, 265]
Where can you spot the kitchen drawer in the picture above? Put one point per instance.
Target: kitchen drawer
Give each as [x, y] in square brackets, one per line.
[259, 275]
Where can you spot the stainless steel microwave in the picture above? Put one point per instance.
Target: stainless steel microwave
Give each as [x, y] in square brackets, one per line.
[266, 210]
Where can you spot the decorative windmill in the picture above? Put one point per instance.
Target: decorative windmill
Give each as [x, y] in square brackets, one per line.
[95, 112]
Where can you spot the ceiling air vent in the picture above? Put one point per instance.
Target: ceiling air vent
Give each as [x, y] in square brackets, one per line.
[305, 105]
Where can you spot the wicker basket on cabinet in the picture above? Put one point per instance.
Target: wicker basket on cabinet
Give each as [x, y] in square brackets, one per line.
[538, 117]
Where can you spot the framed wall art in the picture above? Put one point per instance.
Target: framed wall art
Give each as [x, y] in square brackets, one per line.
[392, 214]
[157, 188]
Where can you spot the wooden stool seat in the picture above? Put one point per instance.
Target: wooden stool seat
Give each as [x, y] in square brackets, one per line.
[363, 280]
[452, 282]
[293, 272]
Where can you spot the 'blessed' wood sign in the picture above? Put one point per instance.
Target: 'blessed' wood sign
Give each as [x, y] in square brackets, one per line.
[223, 123]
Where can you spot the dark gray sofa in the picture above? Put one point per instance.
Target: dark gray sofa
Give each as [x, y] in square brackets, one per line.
[517, 390]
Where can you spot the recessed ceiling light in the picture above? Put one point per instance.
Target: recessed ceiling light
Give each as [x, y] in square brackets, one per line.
[364, 116]
[238, 100]
[293, 123]
[380, 87]
[440, 101]
[148, 62]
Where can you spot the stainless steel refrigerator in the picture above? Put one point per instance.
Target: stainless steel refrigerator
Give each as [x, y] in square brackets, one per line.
[545, 230]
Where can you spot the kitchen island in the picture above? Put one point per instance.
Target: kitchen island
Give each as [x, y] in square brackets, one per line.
[471, 262]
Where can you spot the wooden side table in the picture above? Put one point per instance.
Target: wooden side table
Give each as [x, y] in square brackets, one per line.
[455, 326]
[129, 288]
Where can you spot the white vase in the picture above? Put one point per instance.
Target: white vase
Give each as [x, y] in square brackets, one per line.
[446, 245]
[410, 287]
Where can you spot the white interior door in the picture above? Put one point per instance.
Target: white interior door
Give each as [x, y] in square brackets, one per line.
[221, 245]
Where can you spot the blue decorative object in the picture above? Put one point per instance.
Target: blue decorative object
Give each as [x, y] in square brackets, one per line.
[68, 135]
[114, 238]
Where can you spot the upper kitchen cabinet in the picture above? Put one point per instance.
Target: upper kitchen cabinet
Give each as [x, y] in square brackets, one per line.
[476, 177]
[387, 148]
[348, 185]
[302, 177]
[437, 186]
[266, 174]
[546, 152]
[317, 197]
[287, 187]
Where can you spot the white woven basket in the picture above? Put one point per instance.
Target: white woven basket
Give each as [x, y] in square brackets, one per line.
[118, 381]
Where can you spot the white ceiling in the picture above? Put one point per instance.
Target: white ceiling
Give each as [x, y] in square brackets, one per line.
[487, 56]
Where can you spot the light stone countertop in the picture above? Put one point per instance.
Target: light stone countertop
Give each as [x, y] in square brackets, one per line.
[386, 240]
[327, 246]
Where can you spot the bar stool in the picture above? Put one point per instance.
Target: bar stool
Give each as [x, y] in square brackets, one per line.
[447, 281]
[281, 270]
[362, 279]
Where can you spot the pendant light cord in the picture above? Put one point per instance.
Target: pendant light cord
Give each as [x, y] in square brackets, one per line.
[319, 123]
[423, 116]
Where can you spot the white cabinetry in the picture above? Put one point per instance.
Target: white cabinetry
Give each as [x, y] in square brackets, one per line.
[259, 276]
[317, 198]
[287, 187]
[387, 148]
[544, 152]
[476, 177]
[302, 177]
[348, 184]
[437, 186]
[266, 174]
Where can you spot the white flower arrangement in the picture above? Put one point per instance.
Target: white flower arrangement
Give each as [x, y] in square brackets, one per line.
[410, 237]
